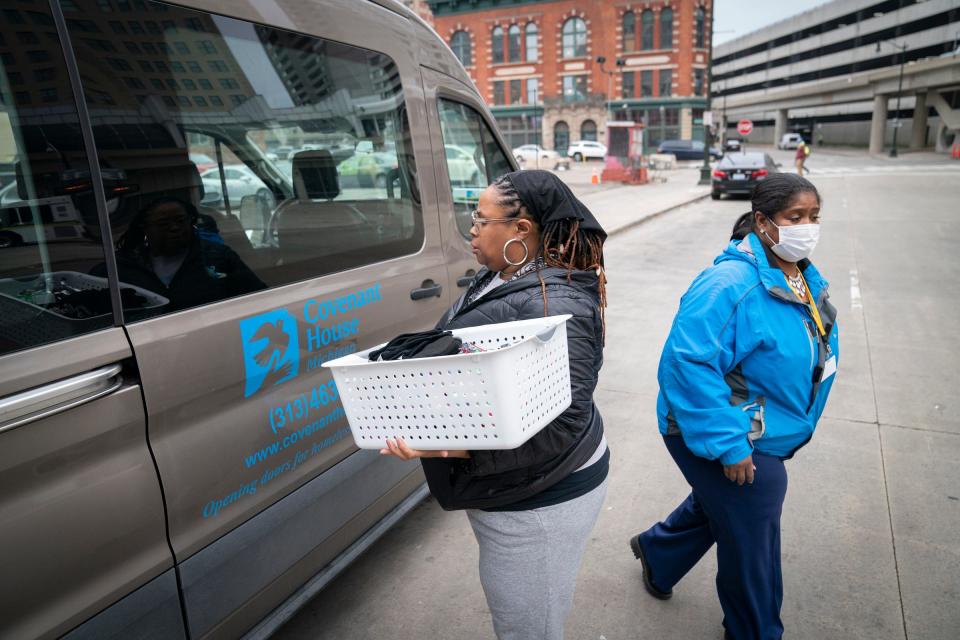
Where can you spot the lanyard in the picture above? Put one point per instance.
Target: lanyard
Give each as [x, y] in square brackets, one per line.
[813, 308]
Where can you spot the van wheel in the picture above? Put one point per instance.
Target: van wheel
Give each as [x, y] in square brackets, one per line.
[578, 157]
[8, 239]
[714, 195]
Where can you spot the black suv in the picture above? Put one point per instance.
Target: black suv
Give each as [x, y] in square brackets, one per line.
[687, 149]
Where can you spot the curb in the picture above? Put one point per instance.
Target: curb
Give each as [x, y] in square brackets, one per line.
[654, 215]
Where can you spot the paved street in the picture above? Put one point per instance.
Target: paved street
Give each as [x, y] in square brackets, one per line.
[870, 528]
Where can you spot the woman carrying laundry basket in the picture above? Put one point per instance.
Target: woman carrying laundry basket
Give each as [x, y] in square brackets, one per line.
[532, 508]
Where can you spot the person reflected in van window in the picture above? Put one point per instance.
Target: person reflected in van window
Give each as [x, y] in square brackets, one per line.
[172, 250]
[532, 508]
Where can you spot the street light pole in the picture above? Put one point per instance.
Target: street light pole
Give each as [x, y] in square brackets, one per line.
[618, 62]
[896, 121]
[705, 168]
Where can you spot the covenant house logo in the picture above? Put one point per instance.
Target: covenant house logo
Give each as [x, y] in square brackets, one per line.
[271, 349]
[326, 329]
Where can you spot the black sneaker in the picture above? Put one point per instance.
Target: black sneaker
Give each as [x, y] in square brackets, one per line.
[647, 580]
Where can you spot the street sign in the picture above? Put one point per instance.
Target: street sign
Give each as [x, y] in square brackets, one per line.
[744, 127]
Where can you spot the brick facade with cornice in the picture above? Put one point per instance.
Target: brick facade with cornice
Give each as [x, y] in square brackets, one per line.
[666, 116]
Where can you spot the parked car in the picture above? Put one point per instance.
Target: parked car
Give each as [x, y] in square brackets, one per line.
[174, 460]
[739, 173]
[241, 181]
[687, 149]
[732, 144]
[367, 169]
[790, 141]
[532, 156]
[587, 150]
[60, 220]
[462, 166]
[203, 161]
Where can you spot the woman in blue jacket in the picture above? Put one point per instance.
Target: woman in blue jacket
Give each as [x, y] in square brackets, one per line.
[744, 376]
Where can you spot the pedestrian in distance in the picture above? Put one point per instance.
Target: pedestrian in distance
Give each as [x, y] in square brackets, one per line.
[803, 150]
[532, 508]
[744, 377]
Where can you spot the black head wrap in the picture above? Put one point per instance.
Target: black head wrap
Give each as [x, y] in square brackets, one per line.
[547, 199]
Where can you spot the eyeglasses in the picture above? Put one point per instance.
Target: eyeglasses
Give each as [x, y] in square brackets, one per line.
[479, 222]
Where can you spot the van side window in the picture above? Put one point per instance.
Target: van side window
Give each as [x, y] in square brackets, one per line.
[255, 157]
[474, 159]
[49, 231]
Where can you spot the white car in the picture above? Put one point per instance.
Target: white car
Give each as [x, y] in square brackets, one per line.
[532, 156]
[790, 141]
[587, 150]
[462, 166]
[241, 181]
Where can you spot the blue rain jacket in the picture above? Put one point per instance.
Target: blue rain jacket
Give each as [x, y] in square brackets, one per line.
[744, 367]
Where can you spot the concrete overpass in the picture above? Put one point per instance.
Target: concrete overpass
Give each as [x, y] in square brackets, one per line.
[924, 79]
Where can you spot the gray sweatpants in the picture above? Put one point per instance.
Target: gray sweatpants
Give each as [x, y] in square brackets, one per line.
[529, 562]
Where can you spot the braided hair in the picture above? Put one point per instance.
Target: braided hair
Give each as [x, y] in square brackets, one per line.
[563, 243]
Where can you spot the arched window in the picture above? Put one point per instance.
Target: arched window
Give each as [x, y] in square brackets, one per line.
[629, 31]
[496, 44]
[532, 44]
[460, 43]
[666, 29]
[561, 137]
[574, 38]
[513, 43]
[646, 30]
[701, 20]
[588, 130]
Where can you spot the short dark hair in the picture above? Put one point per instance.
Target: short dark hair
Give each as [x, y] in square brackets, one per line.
[133, 238]
[770, 196]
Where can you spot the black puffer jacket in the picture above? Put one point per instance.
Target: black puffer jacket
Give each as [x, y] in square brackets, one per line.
[501, 477]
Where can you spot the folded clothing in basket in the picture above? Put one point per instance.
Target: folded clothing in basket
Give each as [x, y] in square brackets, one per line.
[423, 344]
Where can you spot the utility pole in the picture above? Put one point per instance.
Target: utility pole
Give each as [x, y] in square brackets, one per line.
[536, 135]
[707, 138]
[896, 121]
[620, 62]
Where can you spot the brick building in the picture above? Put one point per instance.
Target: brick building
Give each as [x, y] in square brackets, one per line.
[538, 64]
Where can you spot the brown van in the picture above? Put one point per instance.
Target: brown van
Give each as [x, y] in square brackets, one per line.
[206, 202]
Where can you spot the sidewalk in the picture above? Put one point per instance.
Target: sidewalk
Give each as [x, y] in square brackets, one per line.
[619, 207]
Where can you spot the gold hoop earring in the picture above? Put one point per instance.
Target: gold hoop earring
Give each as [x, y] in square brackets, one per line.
[526, 252]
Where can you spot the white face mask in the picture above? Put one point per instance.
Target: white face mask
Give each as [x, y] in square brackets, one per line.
[797, 241]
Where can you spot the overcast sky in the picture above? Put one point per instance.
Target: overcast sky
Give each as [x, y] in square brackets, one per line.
[735, 18]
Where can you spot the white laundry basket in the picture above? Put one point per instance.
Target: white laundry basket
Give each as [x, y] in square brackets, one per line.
[496, 399]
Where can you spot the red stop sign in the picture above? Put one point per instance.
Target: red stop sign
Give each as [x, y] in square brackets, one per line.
[744, 127]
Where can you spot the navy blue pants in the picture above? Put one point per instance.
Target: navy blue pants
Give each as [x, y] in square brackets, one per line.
[744, 522]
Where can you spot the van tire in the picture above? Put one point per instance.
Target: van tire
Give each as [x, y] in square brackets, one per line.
[714, 195]
[578, 157]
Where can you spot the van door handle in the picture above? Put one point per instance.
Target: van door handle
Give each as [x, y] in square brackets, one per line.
[428, 289]
[466, 279]
[59, 396]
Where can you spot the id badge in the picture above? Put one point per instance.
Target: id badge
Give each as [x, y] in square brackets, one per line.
[829, 368]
